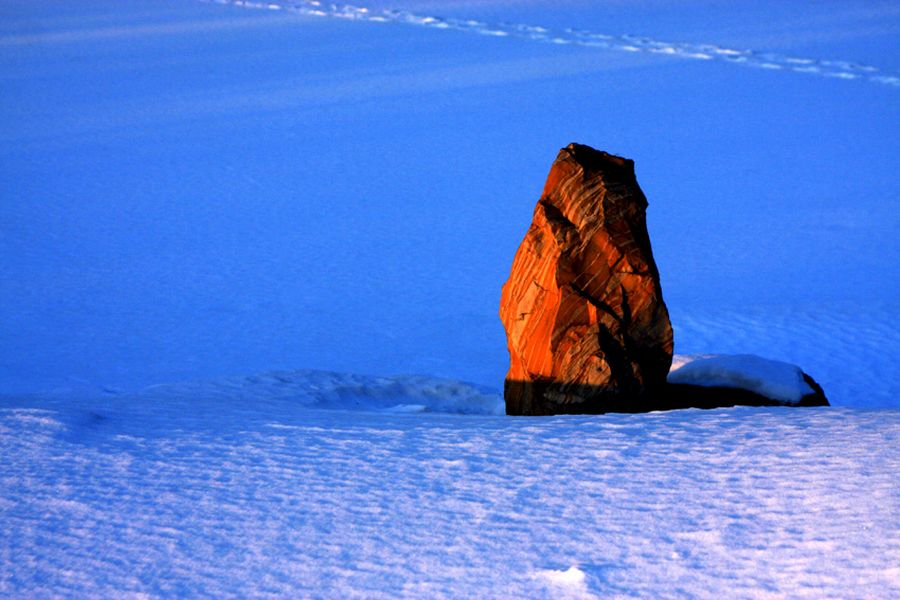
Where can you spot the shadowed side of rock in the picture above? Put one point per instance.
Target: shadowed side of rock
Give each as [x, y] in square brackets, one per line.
[586, 324]
[671, 396]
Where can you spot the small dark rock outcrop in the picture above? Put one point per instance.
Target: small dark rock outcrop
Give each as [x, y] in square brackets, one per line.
[684, 395]
[586, 325]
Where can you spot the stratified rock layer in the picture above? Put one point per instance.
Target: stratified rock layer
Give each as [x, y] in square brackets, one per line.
[586, 324]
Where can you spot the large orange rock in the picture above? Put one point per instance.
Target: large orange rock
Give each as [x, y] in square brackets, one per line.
[587, 328]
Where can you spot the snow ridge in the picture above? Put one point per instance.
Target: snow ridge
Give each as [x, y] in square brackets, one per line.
[837, 69]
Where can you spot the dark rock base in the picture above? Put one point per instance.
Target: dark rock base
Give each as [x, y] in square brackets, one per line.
[551, 398]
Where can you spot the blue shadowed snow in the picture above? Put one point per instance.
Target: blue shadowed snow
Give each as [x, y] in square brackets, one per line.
[199, 190]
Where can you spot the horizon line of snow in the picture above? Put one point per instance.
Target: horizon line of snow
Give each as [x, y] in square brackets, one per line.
[836, 69]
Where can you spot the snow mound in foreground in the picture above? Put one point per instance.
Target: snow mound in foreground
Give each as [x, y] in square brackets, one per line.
[769, 378]
[570, 583]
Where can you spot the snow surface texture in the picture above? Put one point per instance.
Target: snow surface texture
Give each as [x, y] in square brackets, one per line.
[204, 497]
[340, 391]
[769, 378]
[840, 69]
[192, 191]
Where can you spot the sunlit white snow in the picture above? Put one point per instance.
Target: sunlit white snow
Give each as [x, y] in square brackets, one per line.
[770, 378]
[198, 494]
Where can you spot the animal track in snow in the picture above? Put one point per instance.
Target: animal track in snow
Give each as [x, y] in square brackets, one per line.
[837, 69]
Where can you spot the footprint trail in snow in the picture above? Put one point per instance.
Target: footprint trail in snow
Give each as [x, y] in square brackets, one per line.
[838, 69]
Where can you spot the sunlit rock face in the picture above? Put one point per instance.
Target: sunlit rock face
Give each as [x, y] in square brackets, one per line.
[586, 324]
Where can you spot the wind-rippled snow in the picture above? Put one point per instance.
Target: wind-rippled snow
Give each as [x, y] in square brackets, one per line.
[204, 496]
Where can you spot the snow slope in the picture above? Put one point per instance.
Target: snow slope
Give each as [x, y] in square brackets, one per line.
[192, 190]
[192, 495]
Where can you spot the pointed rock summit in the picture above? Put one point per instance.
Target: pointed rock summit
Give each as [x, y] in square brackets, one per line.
[586, 325]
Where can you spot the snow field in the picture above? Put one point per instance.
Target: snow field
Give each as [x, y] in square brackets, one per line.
[193, 190]
[208, 497]
[839, 69]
